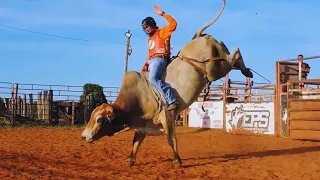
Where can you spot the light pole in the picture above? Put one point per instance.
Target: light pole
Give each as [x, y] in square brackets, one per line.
[128, 50]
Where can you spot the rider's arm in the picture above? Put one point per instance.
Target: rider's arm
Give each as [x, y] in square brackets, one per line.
[166, 31]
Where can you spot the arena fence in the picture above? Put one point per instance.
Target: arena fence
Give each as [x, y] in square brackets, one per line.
[47, 104]
[290, 108]
[297, 101]
[237, 106]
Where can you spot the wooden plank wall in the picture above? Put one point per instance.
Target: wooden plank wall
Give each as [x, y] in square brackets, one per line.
[304, 119]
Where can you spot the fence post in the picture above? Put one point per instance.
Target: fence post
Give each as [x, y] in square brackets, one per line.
[225, 93]
[14, 98]
[247, 97]
[39, 106]
[44, 107]
[73, 112]
[25, 107]
[185, 116]
[31, 107]
[49, 106]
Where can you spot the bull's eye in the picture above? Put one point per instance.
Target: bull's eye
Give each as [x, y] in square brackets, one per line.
[100, 120]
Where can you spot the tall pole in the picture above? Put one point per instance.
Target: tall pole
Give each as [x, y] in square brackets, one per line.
[128, 50]
[300, 74]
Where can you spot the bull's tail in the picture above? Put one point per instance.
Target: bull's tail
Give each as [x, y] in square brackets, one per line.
[199, 32]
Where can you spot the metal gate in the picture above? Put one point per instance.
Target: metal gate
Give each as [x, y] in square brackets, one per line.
[304, 118]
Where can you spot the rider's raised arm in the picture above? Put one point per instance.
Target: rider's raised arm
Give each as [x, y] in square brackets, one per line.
[166, 31]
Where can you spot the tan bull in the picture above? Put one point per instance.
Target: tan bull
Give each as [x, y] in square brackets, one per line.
[139, 106]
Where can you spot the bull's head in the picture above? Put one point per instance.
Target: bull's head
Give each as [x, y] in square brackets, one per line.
[101, 123]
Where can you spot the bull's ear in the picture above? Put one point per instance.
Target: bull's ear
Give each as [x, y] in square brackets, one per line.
[110, 117]
[100, 120]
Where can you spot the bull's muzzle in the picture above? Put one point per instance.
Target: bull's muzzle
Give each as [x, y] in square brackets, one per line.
[87, 136]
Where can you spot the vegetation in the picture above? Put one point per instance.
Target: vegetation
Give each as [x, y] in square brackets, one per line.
[94, 89]
[2, 103]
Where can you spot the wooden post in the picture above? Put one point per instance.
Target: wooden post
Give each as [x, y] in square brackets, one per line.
[31, 115]
[184, 118]
[80, 113]
[14, 98]
[128, 50]
[44, 106]
[247, 97]
[225, 92]
[25, 107]
[187, 116]
[39, 106]
[300, 74]
[73, 117]
[19, 105]
[85, 109]
[49, 106]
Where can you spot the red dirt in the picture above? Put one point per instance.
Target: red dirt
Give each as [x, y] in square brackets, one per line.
[210, 154]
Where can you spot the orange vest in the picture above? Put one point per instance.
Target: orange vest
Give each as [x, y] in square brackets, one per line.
[158, 46]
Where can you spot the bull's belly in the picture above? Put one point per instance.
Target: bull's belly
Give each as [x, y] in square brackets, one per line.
[150, 129]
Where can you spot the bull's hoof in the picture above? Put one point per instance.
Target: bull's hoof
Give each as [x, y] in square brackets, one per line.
[176, 163]
[247, 73]
[130, 162]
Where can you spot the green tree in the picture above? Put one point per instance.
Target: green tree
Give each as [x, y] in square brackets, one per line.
[94, 89]
[2, 106]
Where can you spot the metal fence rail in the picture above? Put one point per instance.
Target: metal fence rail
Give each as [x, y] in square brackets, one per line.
[47, 104]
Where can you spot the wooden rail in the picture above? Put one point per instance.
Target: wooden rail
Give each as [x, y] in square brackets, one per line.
[36, 103]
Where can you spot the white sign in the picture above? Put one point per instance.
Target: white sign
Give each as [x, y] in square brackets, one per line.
[211, 118]
[256, 117]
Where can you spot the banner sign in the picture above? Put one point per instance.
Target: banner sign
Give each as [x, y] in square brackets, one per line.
[256, 117]
[211, 118]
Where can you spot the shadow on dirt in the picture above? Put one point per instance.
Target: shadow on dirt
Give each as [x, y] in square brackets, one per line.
[201, 130]
[308, 140]
[196, 130]
[260, 154]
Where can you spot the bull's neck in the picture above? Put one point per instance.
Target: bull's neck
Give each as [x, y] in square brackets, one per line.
[121, 116]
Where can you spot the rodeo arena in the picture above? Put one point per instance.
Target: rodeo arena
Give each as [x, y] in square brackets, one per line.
[233, 129]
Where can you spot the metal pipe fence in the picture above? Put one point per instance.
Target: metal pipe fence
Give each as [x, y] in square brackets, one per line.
[48, 104]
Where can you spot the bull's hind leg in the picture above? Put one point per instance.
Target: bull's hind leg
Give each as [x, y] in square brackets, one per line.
[137, 140]
[236, 61]
[169, 128]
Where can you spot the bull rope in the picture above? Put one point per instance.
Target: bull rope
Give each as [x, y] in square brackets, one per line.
[209, 83]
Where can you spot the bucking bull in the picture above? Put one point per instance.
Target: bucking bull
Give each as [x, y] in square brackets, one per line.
[139, 106]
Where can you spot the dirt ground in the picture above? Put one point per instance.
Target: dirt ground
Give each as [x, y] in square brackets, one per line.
[206, 154]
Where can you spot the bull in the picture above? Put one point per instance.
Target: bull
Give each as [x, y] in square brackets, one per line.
[139, 106]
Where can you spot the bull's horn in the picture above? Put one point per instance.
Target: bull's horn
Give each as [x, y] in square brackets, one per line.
[199, 32]
[123, 130]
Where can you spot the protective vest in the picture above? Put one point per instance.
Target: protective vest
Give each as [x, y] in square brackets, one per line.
[158, 46]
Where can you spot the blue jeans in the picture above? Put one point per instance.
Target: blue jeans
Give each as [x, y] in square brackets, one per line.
[156, 67]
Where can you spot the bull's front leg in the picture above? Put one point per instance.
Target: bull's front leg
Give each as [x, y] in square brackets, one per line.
[169, 128]
[236, 61]
[137, 140]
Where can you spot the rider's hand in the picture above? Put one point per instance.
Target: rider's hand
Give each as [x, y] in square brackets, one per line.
[144, 67]
[158, 10]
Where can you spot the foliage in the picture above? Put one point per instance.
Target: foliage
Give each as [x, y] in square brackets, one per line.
[94, 89]
[2, 104]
